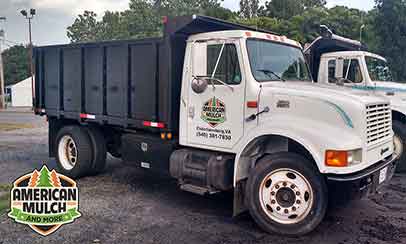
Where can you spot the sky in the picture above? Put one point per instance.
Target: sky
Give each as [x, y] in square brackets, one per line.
[53, 16]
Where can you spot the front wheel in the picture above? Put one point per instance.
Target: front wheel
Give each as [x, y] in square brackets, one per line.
[399, 143]
[286, 194]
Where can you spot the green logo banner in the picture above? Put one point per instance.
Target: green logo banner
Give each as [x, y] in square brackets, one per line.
[53, 219]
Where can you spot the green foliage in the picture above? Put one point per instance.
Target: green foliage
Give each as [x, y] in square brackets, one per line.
[85, 27]
[282, 9]
[184, 7]
[249, 8]
[390, 25]
[384, 27]
[16, 67]
[4, 198]
[142, 19]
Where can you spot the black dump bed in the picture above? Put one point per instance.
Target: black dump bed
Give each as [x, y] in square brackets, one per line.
[326, 43]
[122, 83]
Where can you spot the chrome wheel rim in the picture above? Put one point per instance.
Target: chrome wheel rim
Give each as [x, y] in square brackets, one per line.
[397, 145]
[286, 196]
[67, 152]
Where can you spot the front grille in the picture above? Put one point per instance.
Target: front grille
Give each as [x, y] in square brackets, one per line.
[379, 122]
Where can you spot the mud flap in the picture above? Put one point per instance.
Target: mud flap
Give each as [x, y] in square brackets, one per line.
[239, 198]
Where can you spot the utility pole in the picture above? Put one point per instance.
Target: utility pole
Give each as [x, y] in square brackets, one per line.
[2, 88]
[29, 16]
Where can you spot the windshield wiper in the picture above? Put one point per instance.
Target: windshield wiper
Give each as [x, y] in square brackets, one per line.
[269, 73]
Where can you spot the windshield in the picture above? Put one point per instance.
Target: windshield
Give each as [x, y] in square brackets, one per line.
[378, 69]
[275, 62]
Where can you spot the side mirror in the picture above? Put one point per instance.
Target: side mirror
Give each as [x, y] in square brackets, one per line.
[199, 85]
[342, 81]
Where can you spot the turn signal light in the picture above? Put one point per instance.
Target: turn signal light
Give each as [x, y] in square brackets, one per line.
[336, 158]
[252, 104]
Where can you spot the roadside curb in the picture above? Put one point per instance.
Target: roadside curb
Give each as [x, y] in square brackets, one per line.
[23, 111]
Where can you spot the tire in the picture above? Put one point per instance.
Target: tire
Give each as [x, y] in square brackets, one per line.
[81, 142]
[99, 150]
[279, 167]
[400, 134]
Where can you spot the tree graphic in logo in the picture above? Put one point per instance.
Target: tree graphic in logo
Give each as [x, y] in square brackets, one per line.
[44, 178]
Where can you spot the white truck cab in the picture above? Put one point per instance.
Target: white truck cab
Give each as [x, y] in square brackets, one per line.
[336, 60]
[250, 94]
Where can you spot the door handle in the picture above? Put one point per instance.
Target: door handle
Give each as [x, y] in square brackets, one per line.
[254, 116]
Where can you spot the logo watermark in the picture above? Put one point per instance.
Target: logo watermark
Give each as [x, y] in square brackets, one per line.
[44, 200]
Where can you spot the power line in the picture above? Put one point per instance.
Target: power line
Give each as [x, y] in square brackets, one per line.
[12, 42]
[8, 45]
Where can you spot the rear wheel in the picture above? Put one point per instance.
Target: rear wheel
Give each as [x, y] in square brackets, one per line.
[286, 194]
[74, 151]
[399, 142]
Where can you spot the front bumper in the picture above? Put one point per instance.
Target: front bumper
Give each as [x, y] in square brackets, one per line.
[365, 182]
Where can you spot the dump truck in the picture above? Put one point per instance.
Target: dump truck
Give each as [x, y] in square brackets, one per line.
[219, 107]
[338, 60]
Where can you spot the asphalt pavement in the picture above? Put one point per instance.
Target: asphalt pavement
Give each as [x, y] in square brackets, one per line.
[126, 205]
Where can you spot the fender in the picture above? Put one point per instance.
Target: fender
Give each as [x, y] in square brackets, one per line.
[315, 139]
[398, 113]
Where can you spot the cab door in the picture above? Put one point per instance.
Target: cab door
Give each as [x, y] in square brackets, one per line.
[349, 70]
[216, 115]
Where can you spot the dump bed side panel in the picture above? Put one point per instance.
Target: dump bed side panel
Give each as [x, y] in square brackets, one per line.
[121, 83]
[93, 75]
[116, 80]
[51, 78]
[143, 71]
[72, 74]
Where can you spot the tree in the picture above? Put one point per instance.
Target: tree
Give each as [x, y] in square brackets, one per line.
[85, 28]
[390, 24]
[249, 8]
[185, 7]
[16, 65]
[44, 178]
[282, 9]
[314, 3]
[142, 19]
[220, 13]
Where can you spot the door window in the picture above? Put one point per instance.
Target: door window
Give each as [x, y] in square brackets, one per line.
[332, 71]
[228, 68]
[352, 70]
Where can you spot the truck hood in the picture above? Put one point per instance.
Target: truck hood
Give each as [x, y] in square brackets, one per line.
[395, 91]
[390, 86]
[327, 91]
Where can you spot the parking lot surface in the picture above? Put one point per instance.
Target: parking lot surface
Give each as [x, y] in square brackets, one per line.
[126, 205]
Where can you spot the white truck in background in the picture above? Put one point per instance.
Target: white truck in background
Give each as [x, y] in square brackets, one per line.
[345, 62]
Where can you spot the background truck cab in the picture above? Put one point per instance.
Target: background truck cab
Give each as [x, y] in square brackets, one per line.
[219, 107]
[337, 60]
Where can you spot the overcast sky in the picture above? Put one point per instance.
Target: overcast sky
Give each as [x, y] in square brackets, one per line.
[53, 16]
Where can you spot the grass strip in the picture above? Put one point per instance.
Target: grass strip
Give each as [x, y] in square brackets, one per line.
[12, 126]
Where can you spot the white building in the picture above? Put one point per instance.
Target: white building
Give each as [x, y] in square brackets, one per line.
[20, 93]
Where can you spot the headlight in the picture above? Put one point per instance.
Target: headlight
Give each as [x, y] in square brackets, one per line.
[335, 158]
